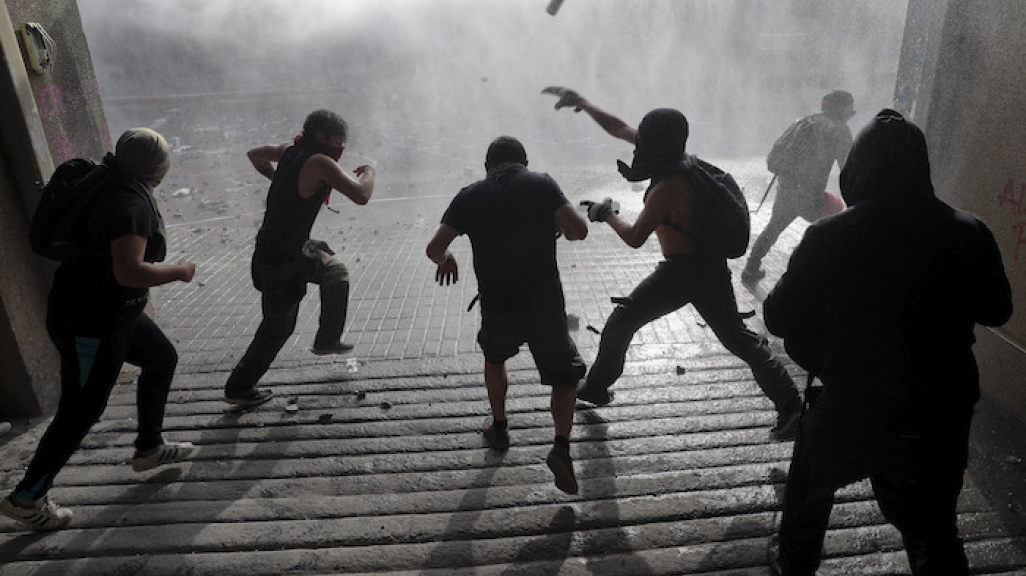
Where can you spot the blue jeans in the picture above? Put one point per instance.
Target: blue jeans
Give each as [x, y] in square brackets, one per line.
[705, 283]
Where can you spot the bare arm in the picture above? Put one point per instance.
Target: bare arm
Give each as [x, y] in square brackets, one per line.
[320, 168]
[264, 157]
[611, 124]
[660, 201]
[571, 223]
[132, 271]
[438, 252]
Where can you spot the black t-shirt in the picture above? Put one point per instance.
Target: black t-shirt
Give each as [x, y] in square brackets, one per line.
[509, 218]
[84, 289]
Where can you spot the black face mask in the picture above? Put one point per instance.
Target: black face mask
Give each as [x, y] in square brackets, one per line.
[311, 144]
[658, 146]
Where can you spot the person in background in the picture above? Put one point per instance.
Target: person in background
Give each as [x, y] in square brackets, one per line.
[879, 302]
[95, 318]
[286, 259]
[687, 275]
[803, 168]
[513, 218]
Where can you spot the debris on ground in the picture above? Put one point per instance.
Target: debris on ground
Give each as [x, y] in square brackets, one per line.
[573, 323]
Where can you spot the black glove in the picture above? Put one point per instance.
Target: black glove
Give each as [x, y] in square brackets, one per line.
[599, 211]
[567, 97]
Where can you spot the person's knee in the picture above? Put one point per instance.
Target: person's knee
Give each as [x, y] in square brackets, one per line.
[165, 363]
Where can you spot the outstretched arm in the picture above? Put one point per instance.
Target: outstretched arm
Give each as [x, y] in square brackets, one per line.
[320, 168]
[611, 124]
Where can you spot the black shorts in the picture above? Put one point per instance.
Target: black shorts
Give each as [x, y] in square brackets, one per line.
[542, 325]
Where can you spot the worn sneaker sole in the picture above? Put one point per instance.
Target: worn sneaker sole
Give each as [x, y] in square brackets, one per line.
[595, 399]
[261, 397]
[344, 349]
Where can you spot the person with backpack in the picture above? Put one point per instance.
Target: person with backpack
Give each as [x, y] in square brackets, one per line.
[880, 302]
[96, 320]
[286, 259]
[802, 159]
[692, 272]
[513, 218]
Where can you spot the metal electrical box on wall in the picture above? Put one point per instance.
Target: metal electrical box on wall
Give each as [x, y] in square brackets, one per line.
[38, 45]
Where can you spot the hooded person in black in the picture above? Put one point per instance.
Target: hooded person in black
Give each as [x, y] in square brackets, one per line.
[689, 274]
[126, 242]
[879, 302]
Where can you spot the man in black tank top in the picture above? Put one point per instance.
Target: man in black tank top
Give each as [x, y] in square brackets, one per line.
[286, 259]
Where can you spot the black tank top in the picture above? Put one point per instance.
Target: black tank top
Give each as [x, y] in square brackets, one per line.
[289, 217]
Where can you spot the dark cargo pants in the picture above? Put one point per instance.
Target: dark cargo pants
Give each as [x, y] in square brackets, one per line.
[283, 287]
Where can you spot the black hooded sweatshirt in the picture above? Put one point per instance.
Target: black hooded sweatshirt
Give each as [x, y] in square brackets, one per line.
[880, 300]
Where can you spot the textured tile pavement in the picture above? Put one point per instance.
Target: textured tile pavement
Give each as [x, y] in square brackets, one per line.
[373, 462]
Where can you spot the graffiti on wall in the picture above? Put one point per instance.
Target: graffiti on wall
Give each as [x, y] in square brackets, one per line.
[1013, 199]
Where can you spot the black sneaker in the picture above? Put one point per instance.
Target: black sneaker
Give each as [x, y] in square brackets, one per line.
[787, 426]
[497, 439]
[562, 467]
[249, 398]
[336, 348]
[593, 396]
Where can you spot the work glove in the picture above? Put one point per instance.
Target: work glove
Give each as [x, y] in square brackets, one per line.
[567, 97]
[599, 211]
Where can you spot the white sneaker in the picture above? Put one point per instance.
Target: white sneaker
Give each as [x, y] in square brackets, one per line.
[42, 514]
[167, 453]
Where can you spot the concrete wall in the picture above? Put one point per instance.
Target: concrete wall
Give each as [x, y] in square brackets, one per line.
[970, 104]
[44, 119]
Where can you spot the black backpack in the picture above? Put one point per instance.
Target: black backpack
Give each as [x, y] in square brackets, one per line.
[793, 147]
[58, 228]
[722, 225]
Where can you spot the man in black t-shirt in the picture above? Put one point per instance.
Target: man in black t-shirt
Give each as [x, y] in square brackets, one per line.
[513, 218]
